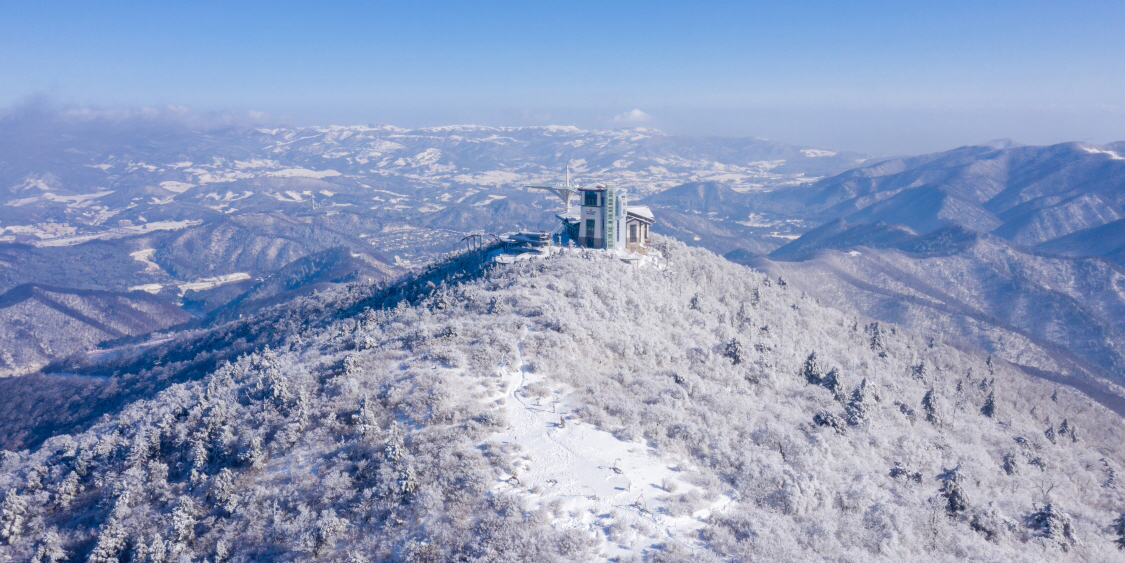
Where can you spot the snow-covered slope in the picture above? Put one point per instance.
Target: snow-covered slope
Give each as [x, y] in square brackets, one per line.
[571, 407]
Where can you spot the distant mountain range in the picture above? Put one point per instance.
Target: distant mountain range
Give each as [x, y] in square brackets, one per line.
[1038, 197]
[74, 179]
[1028, 195]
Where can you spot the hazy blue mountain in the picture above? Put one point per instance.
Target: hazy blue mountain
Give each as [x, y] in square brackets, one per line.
[702, 197]
[841, 235]
[721, 218]
[1004, 245]
[1025, 194]
[309, 274]
[201, 267]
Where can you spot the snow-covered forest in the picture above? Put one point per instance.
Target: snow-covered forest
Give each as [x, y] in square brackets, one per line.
[734, 419]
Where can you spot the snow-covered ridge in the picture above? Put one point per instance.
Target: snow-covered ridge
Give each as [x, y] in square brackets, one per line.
[1095, 150]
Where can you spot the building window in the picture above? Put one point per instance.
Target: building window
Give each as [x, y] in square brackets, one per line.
[591, 199]
[590, 228]
[633, 233]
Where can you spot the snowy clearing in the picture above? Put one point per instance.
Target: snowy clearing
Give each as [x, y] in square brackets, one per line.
[814, 153]
[592, 481]
[145, 257]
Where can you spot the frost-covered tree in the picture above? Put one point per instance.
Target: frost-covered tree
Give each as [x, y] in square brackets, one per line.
[12, 515]
[50, 550]
[111, 542]
[930, 407]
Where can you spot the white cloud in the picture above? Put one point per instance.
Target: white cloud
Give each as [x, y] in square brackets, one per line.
[635, 116]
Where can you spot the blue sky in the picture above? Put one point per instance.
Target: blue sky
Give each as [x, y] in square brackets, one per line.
[882, 77]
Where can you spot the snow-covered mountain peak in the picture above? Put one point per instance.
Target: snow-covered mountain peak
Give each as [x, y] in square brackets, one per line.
[573, 407]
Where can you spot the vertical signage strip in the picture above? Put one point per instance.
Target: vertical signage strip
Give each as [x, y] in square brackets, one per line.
[610, 216]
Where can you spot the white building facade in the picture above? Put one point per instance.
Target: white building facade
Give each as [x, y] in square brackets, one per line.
[601, 216]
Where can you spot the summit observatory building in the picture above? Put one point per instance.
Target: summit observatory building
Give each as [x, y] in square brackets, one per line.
[603, 218]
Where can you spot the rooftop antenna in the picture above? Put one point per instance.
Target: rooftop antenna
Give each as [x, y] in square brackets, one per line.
[564, 191]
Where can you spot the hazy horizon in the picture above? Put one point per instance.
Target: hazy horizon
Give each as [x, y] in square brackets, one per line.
[877, 77]
[33, 111]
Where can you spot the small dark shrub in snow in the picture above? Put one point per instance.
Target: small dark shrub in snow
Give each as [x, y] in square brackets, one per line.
[989, 408]
[901, 472]
[734, 351]
[930, 407]
[906, 411]
[990, 524]
[1008, 463]
[813, 370]
[1067, 430]
[829, 420]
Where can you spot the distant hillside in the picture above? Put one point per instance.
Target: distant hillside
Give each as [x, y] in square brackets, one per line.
[1026, 194]
[201, 267]
[569, 408]
[310, 274]
[702, 197]
[1107, 240]
[258, 244]
[839, 234]
[42, 323]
